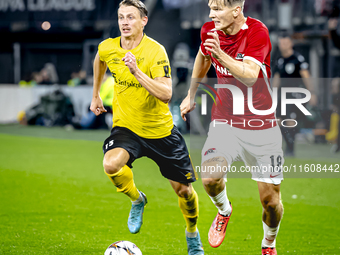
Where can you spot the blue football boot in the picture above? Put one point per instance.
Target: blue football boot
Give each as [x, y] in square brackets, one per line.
[135, 220]
[195, 246]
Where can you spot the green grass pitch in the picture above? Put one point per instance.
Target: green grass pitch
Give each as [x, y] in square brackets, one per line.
[56, 199]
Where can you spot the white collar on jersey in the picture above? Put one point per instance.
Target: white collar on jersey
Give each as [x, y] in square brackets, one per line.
[244, 27]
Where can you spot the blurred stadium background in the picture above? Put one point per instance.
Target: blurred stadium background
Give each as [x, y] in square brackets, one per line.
[54, 42]
[54, 197]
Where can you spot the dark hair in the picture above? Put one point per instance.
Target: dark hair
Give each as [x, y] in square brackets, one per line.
[138, 4]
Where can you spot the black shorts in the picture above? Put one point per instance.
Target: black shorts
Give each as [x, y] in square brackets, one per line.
[170, 153]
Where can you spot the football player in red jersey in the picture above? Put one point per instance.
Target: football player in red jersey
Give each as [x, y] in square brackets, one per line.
[239, 49]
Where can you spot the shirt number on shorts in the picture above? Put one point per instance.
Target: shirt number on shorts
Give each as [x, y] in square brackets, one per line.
[109, 144]
[276, 167]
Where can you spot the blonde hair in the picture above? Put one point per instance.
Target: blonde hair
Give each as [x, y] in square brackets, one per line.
[231, 3]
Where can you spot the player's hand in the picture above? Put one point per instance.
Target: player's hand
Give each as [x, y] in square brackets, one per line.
[213, 45]
[130, 62]
[97, 106]
[187, 105]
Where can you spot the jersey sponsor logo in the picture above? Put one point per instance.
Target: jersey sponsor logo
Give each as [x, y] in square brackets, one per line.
[162, 62]
[222, 70]
[212, 150]
[125, 83]
[240, 56]
[128, 84]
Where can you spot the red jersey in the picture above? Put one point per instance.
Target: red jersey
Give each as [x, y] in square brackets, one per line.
[252, 42]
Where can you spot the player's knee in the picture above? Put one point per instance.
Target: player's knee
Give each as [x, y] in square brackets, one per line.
[183, 191]
[271, 203]
[111, 165]
[210, 183]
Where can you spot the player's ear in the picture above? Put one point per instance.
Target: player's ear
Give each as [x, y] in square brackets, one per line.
[145, 20]
[237, 10]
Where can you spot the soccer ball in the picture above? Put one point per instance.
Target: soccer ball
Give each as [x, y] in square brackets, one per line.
[123, 248]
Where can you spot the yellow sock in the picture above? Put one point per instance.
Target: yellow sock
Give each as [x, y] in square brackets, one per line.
[189, 208]
[333, 133]
[123, 180]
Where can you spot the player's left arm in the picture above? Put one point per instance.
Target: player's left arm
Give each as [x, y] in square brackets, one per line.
[309, 85]
[159, 87]
[246, 72]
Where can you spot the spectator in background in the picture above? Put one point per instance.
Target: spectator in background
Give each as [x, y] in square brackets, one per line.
[182, 69]
[333, 135]
[90, 120]
[82, 77]
[332, 26]
[54, 109]
[291, 64]
[35, 79]
[77, 78]
[74, 81]
[181, 73]
[49, 74]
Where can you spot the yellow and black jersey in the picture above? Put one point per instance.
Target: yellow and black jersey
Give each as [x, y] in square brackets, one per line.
[133, 106]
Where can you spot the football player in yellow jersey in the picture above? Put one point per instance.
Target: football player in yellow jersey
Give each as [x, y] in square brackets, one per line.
[142, 122]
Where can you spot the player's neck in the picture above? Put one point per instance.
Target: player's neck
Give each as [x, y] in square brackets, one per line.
[287, 53]
[131, 42]
[235, 27]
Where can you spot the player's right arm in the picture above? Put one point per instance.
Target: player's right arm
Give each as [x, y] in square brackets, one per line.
[99, 69]
[201, 68]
